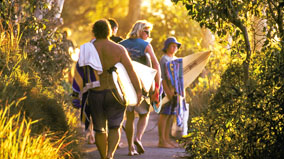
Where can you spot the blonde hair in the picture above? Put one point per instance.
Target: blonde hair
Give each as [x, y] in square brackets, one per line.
[139, 26]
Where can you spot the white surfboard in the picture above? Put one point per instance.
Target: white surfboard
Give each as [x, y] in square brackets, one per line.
[192, 66]
[123, 83]
[124, 86]
[146, 75]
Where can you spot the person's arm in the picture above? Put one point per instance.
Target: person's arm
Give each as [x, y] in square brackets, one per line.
[126, 61]
[169, 92]
[155, 64]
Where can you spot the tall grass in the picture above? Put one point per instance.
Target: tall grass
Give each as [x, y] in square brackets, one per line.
[16, 141]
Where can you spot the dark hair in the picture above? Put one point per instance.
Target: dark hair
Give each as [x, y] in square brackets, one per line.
[101, 29]
[113, 23]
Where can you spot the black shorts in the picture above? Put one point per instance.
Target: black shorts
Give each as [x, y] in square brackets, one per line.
[105, 110]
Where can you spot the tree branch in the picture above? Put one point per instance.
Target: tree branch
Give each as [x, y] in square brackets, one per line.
[271, 11]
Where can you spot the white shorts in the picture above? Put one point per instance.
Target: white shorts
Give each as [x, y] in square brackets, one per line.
[143, 108]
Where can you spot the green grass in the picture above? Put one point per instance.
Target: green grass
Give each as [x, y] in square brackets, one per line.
[16, 141]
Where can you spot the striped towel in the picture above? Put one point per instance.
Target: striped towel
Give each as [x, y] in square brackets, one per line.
[85, 77]
[175, 75]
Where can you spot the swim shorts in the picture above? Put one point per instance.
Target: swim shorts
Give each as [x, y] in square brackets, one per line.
[105, 110]
[168, 108]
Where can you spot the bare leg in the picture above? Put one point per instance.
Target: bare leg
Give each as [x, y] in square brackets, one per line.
[113, 140]
[162, 127]
[141, 127]
[129, 127]
[101, 142]
[168, 131]
[90, 136]
[120, 143]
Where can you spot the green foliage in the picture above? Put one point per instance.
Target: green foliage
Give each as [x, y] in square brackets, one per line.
[32, 60]
[244, 118]
[36, 106]
[20, 99]
[219, 16]
[240, 124]
[37, 35]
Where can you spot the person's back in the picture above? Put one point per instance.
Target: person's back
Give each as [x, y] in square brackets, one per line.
[110, 53]
[136, 48]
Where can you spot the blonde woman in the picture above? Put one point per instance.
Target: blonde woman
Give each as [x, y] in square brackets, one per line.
[137, 47]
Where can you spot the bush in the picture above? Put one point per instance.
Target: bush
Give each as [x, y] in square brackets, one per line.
[243, 122]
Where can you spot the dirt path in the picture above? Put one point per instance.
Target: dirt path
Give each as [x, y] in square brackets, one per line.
[150, 141]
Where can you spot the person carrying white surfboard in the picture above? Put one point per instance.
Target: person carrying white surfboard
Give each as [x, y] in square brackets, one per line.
[168, 110]
[137, 47]
[107, 113]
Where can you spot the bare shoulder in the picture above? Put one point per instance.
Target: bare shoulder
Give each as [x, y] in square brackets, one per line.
[115, 45]
[149, 49]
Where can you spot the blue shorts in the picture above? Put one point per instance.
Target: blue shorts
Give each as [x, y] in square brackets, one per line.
[169, 108]
[105, 110]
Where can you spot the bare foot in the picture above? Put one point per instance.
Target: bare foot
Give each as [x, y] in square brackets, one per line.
[132, 153]
[90, 137]
[174, 144]
[91, 140]
[165, 145]
[120, 145]
[140, 148]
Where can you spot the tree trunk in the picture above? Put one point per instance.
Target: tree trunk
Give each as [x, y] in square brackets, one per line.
[246, 63]
[134, 14]
[234, 19]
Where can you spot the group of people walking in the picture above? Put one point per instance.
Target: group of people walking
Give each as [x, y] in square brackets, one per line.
[107, 114]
